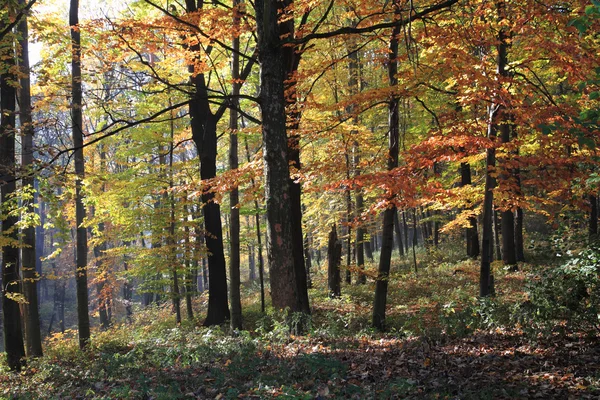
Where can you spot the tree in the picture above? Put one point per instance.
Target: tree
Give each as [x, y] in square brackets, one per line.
[83, 318]
[11, 293]
[234, 253]
[280, 243]
[390, 212]
[28, 252]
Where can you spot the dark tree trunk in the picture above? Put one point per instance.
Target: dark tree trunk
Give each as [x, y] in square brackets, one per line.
[509, 255]
[190, 273]
[334, 257]
[472, 236]
[368, 249]
[39, 246]
[171, 240]
[593, 222]
[348, 278]
[83, 316]
[103, 299]
[127, 291]
[234, 244]
[261, 262]
[485, 274]
[398, 235]
[308, 260]
[28, 252]
[13, 333]
[405, 224]
[291, 59]
[414, 240]
[285, 288]
[496, 117]
[387, 244]
[497, 242]
[99, 250]
[520, 247]
[204, 134]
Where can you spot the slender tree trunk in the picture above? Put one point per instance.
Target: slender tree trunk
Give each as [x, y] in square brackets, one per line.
[496, 117]
[389, 214]
[472, 235]
[334, 256]
[127, 288]
[39, 245]
[99, 250]
[234, 249]
[368, 249]
[261, 263]
[83, 316]
[308, 260]
[593, 216]
[172, 241]
[519, 245]
[509, 255]
[28, 252]
[348, 278]
[414, 240]
[12, 329]
[405, 225]
[519, 235]
[204, 134]
[497, 241]
[398, 235]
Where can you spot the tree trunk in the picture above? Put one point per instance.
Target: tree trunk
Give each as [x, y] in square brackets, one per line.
[497, 241]
[405, 225]
[593, 221]
[387, 240]
[285, 288]
[369, 248]
[348, 278]
[334, 257]
[99, 250]
[127, 290]
[190, 273]
[234, 244]
[291, 61]
[509, 255]
[398, 235]
[83, 317]
[40, 246]
[204, 134]
[28, 252]
[414, 240]
[472, 236]
[13, 334]
[261, 262]
[308, 260]
[496, 117]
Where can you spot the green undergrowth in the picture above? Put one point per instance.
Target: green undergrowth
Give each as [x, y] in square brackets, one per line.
[151, 357]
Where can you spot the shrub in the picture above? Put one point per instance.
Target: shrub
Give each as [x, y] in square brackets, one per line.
[566, 297]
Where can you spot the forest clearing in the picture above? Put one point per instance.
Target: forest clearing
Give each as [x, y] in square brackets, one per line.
[300, 199]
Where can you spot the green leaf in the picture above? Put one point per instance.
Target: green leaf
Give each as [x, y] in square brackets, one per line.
[589, 10]
[586, 142]
[580, 23]
[546, 129]
[594, 95]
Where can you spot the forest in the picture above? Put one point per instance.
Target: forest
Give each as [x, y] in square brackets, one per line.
[300, 199]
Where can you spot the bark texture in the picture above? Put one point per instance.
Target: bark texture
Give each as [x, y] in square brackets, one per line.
[29, 250]
[83, 317]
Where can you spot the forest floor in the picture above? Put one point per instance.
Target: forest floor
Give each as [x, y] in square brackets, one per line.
[440, 344]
